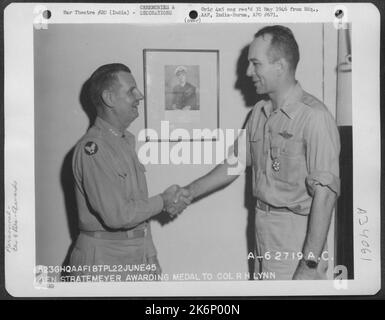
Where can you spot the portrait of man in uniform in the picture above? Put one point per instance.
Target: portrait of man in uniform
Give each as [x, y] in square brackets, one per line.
[182, 88]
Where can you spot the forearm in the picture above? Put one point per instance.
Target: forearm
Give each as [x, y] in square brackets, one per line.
[319, 221]
[217, 178]
[118, 213]
[141, 210]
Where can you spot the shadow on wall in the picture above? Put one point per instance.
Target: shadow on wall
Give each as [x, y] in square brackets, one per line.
[243, 82]
[67, 177]
[68, 187]
[86, 103]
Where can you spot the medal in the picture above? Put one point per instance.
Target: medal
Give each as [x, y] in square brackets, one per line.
[276, 164]
[275, 151]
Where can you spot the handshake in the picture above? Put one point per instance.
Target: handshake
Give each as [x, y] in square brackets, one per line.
[176, 199]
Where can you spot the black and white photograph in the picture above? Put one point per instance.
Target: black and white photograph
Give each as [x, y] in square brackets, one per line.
[271, 205]
[182, 87]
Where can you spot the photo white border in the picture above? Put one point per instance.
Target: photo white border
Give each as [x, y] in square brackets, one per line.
[19, 146]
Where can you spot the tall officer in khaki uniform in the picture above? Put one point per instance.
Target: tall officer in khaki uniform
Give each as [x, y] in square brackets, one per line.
[111, 188]
[292, 144]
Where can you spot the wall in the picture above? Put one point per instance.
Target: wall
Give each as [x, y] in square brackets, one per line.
[209, 236]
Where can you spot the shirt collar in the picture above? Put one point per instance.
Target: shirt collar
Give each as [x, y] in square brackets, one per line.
[108, 128]
[290, 105]
[267, 108]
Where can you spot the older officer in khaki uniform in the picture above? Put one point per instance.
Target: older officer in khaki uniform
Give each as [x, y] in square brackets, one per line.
[292, 144]
[111, 187]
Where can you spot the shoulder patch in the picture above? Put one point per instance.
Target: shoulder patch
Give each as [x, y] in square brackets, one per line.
[91, 148]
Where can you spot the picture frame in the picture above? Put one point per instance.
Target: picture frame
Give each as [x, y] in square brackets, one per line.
[181, 89]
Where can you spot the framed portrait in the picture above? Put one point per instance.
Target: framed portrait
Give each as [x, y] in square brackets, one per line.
[182, 92]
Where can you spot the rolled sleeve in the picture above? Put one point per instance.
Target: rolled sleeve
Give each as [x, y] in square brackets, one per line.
[102, 187]
[325, 179]
[323, 150]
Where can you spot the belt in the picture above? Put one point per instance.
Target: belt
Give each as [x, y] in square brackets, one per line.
[117, 235]
[266, 207]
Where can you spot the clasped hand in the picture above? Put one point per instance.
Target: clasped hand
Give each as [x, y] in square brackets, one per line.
[176, 199]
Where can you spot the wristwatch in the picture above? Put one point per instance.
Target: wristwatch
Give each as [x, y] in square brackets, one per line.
[311, 264]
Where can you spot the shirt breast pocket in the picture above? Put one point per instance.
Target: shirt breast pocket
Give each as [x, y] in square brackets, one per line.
[122, 176]
[121, 173]
[288, 160]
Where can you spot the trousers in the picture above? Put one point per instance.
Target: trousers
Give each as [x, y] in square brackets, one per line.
[280, 237]
[125, 259]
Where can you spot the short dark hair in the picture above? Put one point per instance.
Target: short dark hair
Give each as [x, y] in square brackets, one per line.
[282, 44]
[104, 78]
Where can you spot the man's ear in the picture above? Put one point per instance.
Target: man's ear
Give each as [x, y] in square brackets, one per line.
[282, 66]
[108, 98]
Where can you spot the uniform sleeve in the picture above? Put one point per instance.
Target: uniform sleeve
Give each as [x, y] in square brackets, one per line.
[105, 193]
[322, 152]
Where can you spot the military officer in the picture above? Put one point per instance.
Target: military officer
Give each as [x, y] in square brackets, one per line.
[292, 144]
[111, 189]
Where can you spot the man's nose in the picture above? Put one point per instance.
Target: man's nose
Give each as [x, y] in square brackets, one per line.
[140, 95]
[250, 70]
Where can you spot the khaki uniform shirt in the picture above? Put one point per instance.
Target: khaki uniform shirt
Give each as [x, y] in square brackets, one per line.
[291, 150]
[111, 187]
